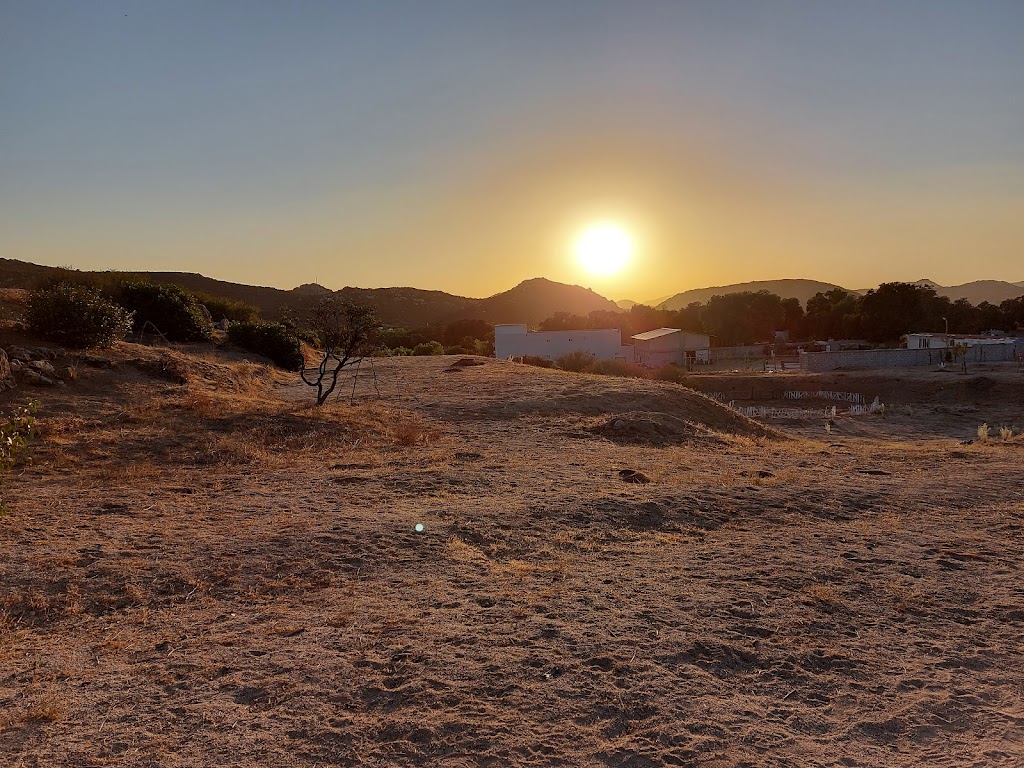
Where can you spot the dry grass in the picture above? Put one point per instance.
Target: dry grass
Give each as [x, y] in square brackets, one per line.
[214, 571]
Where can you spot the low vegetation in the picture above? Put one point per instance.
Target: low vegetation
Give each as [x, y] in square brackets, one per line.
[221, 308]
[166, 309]
[76, 316]
[17, 430]
[272, 340]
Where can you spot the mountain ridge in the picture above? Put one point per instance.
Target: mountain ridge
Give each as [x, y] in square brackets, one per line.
[530, 302]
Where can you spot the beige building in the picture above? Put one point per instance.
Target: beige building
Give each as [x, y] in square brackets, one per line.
[663, 346]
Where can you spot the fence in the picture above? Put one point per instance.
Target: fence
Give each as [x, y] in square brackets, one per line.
[821, 394]
[905, 358]
[765, 412]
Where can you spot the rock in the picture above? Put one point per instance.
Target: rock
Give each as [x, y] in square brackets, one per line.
[16, 365]
[632, 476]
[36, 379]
[20, 353]
[43, 367]
[95, 361]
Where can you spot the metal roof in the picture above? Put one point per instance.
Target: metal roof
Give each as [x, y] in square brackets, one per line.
[656, 333]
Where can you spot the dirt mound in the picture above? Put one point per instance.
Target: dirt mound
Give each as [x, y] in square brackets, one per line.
[658, 429]
[507, 392]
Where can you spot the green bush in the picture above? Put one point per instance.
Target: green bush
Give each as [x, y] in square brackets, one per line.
[577, 361]
[235, 310]
[76, 316]
[172, 310]
[272, 340]
[428, 348]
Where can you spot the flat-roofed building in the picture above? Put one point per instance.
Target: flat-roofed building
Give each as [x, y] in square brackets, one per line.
[512, 341]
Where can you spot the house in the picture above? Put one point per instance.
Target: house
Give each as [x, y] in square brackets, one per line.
[663, 346]
[602, 343]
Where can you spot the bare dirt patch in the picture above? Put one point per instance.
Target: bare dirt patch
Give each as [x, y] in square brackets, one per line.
[206, 570]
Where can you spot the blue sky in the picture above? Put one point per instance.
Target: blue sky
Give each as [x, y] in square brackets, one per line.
[459, 145]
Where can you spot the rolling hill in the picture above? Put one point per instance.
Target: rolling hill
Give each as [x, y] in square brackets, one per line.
[801, 289]
[529, 302]
[977, 291]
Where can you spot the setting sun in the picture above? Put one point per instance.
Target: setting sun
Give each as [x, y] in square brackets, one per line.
[604, 249]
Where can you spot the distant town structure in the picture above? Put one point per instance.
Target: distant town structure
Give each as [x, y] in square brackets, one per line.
[664, 346]
[511, 341]
[943, 340]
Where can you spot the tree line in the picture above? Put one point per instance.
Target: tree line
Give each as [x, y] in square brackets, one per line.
[882, 315]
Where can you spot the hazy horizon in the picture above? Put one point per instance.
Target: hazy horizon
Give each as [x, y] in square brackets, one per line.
[461, 147]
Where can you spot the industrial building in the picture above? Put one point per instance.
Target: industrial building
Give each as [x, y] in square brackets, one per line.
[511, 341]
[664, 346]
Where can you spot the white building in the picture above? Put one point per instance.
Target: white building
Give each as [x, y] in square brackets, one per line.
[943, 340]
[663, 346]
[602, 343]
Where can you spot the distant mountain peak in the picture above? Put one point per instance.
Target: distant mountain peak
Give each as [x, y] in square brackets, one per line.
[311, 289]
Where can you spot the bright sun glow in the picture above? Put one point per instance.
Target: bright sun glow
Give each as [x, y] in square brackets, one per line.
[604, 249]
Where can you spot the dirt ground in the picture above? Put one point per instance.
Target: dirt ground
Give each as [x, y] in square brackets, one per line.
[201, 569]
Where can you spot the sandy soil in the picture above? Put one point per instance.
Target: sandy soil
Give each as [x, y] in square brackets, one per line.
[200, 569]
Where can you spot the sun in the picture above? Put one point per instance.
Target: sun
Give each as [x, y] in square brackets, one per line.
[604, 248]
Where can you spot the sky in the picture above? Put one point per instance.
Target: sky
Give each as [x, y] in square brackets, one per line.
[462, 145]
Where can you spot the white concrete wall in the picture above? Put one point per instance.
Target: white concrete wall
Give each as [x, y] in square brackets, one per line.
[603, 343]
[921, 341]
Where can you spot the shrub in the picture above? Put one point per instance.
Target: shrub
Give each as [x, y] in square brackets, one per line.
[172, 310]
[233, 309]
[76, 316]
[540, 362]
[674, 373]
[272, 340]
[16, 431]
[617, 368]
[428, 348]
[983, 431]
[577, 361]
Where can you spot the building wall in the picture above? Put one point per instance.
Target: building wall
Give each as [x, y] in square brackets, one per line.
[671, 348]
[924, 341]
[904, 358]
[653, 355]
[737, 353]
[515, 341]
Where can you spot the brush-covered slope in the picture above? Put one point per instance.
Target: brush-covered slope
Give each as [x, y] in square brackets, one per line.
[529, 302]
[796, 288]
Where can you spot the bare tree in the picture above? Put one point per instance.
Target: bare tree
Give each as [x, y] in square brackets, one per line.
[347, 333]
